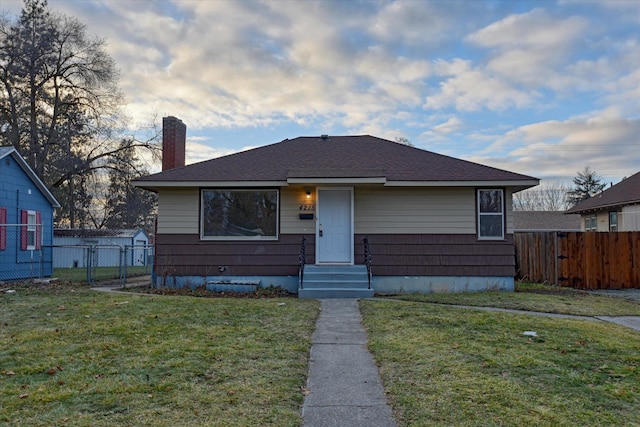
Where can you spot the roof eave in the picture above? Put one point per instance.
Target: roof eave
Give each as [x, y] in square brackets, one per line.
[32, 175]
[516, 185]
[346, 180]
[156, 185]
[602, 207]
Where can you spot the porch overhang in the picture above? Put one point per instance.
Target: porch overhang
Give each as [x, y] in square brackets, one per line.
[321, 176]
[323, 181]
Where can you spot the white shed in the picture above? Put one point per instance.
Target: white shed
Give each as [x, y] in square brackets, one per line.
[109, 247]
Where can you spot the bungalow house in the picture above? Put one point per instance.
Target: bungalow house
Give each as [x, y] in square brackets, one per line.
[110, 247]
[615, 209]
[421, 221]
[26, 220]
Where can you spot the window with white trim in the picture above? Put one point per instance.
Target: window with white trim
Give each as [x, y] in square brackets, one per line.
[613, 221]
[490, 214]
[591, 223]
[31, 230]
[239, 214]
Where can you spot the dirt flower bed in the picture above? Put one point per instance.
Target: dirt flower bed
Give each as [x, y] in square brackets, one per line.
[201, 291]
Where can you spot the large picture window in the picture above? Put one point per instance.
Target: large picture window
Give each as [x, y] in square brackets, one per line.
[239, 214]
[491, 214]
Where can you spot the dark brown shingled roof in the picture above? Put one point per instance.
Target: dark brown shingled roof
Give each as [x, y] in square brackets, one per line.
[335, 157]
[626, 192]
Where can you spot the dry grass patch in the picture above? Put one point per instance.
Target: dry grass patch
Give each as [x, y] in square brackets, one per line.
[446, 366]
[71, 356]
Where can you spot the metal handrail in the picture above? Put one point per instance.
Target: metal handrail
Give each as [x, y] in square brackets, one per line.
[367, 258]
[302, 260]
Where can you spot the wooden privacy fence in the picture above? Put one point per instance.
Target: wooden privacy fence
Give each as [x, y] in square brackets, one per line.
[588, 260]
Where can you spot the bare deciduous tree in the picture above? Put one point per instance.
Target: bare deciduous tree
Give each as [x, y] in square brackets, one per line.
[545, 197]
[60, 105]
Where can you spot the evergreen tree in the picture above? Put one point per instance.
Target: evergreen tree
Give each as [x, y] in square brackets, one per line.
[586, 184]
[127, 206]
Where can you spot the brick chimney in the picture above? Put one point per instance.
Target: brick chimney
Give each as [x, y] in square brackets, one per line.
[174, 137]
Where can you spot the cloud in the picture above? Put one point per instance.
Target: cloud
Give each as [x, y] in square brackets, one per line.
[453, 124]
[534, 29]
[605, 140]
[473, 89]
[542, 90]
[249, 64]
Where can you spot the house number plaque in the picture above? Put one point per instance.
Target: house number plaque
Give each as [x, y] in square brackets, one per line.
[306, 211]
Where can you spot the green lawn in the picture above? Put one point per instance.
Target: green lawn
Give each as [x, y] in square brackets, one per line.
[532, 297]
[78, 275]
[71, 356]
[447, 366]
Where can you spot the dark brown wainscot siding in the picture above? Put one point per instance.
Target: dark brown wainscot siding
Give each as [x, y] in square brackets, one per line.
[392, 255]
[187, 255]
[438, 255]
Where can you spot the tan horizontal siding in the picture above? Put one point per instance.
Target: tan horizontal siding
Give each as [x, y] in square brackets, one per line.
[178, 211]
[377, 210]
[291, 198]
[509, 200]
[415, 210]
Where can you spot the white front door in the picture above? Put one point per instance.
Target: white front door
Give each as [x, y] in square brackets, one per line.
[334, 231]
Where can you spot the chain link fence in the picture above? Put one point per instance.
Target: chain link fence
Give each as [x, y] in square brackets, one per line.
[98, 263]
[23, 257]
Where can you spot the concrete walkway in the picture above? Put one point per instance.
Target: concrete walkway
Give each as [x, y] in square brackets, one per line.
[344, 384]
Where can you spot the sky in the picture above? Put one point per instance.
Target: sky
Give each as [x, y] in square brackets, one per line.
[543, 88]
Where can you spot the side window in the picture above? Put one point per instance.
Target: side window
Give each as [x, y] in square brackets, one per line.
[31, 230]
[613, 221]
[490, 214]
[591, 223]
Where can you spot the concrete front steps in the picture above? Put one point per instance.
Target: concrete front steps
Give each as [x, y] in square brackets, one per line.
[335, 281]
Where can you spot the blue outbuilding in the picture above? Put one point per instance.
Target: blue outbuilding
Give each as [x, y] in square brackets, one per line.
[26, 220]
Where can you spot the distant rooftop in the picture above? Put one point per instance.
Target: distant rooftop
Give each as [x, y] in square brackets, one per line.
[94, 233]
[626, 192]
[545, 221]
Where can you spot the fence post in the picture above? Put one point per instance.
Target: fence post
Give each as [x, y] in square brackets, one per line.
[561, 257]
[123, 266]
[555, 258]
[89, 262]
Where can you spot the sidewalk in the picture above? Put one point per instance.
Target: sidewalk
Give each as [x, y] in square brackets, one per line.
[632, 322]
[344, 384]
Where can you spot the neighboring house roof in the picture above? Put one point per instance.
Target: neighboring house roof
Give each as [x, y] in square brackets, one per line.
[626, 192]
[336, 159]
[11, 151]
[545, 221]
[93, 233]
